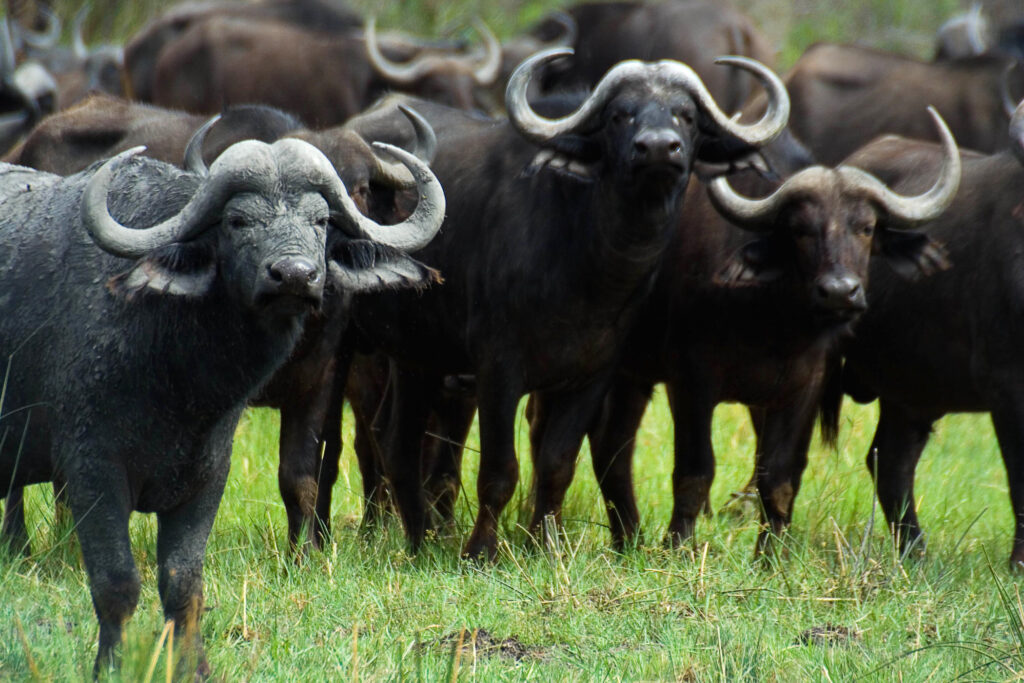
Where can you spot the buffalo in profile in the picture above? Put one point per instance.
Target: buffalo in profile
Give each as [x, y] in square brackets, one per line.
[167, 298]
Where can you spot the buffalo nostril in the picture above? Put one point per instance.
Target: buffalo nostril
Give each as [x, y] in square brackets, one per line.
[294, 272]
[674, 146]
[640, 146]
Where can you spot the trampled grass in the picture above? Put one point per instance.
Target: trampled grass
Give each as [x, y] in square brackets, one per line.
[837, 606]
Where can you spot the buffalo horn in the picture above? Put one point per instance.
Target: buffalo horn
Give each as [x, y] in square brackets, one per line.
[244, 166]
[666, 73]
[487, 71]
[193, 160]
[7, 61]
[395, 174]
[760, 214]
[77, 40]
[1009, 103]
[1017, 132]
[407, 73]
[43, 40]
[414, 232]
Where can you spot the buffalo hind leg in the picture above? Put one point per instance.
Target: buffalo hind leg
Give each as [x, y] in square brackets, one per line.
[369, 394]
[783, 442]
[499, 469]
[561, 421]
[694, 458]
[414, 393]
[612, 443]
[443, 445]
[101, 505]
[892, 459]
[181, 543]
[1006, 418]
[13, 531]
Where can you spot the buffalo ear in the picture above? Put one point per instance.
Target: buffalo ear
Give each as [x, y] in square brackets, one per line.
[755, 263]
[910, 253]
[366, 266]
[175, 270]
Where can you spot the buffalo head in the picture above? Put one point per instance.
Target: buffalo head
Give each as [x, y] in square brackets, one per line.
[646, 122]
[823, 224]
[257, 227]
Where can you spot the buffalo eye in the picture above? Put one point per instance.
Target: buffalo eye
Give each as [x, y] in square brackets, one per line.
[619, 118]
[321, 222]
[237, 222]
[680, 117]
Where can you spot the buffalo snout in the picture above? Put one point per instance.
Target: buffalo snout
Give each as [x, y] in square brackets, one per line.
[293, 276]
[840, 293]
[658, 147]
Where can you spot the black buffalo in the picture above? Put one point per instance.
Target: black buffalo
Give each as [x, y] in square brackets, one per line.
[950, 343]
[750, 320]
[553, 236]
[156, 335]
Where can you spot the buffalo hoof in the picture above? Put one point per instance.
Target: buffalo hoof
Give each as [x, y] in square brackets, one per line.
[483, 550]
[679, 533]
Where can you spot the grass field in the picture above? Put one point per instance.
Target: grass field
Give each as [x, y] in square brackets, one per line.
[837, 606]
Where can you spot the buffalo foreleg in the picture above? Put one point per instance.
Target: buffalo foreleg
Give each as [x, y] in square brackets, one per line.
[499, 468]
[442, 446]
[783, 441]
[694, 471]
[892, 459]
[561, 420]
[612, 442]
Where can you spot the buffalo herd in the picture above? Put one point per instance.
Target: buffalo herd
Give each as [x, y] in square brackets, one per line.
[624, 195]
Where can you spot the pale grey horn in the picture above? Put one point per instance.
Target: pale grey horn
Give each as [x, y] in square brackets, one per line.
[43, 40]
[487, 72]
[193, 160]
[7, 60]
[77, 40]
[395, 174]
[411, 234]
[925, 206]
[667, 73]
[116, 239]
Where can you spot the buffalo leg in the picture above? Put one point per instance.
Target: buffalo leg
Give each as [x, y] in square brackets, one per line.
[499, 468]
[612, 442]
[453, 417]
[101, 505]
[330, 435]
[694, 458]
[414, 393]
[1006, 418]
[368, 393]
[782, 458]
[181, 543]
[13, 531]
[896, 448]
[562, 420]
[302, 418]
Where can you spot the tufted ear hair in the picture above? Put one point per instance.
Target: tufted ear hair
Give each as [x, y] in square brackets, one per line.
[175, 270]
[910, 253]
[755, 263]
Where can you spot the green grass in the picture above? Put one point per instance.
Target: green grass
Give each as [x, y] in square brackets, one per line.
[365, 610]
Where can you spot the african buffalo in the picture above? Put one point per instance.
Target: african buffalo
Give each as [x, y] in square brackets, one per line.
[554, 233]
[732, 319]
[691, 31]
[103, 125]
[143, 50]
[307, 388]
[950, 343]
[324, 79]
[158, 334]
[28, 92]
[845, 95]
